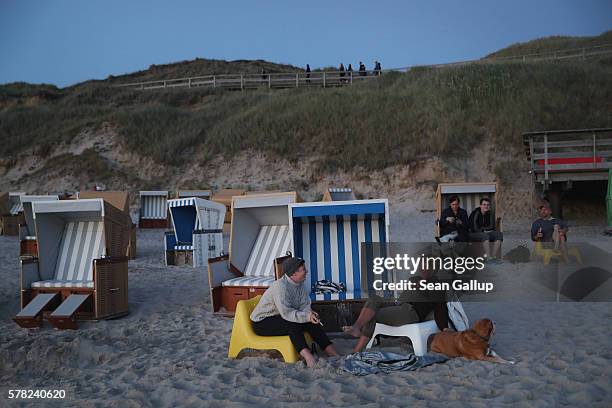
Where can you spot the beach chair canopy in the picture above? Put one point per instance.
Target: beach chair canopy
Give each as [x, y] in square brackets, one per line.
[191, 214]
[338, 194]
[26, 202]
[328, 236]
[259, 234]
[71, 234]
[153, 205]
[15, 202]
[205, 194]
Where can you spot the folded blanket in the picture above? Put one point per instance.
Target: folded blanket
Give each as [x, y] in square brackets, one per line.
[374, 362]
[325, 286]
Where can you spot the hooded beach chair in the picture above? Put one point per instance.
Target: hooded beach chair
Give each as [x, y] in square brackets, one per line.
[338, 194]
[81, 269]
[197, 231]
[225, 197]
[120, 200]
[469, 198]
[259, 234]
[329, 237]
[27, 230]
[13, 213]
[153, 209]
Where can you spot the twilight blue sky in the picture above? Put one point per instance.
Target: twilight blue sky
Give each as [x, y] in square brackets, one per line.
[67, 41]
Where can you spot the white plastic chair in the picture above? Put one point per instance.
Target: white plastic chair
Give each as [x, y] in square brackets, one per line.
[418, 333]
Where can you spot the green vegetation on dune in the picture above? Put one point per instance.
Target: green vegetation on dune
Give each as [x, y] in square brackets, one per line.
[393, 120]
[552, 44]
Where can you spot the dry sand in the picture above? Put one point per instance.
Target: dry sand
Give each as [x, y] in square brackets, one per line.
[171, 351]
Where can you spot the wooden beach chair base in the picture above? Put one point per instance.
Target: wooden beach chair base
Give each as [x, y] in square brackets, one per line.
[64, 317]
[31, 315]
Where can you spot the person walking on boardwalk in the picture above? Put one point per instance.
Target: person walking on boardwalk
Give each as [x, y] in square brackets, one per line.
[362, 70]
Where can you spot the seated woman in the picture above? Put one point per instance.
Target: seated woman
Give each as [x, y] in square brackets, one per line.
[406, 310]
[284, 309]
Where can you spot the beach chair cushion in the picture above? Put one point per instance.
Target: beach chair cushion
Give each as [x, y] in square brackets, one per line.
[261, 281]
[82, 242]
[63, 284]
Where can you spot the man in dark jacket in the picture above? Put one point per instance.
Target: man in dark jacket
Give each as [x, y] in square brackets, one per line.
[453, 222]
[482, 229]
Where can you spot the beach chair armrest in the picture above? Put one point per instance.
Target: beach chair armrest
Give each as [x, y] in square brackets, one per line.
[219, 271]
[23, 231]
[498, 224]
[29, 272]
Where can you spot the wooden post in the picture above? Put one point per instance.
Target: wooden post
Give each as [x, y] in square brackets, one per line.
[297, 80]
[323, 79]
[269, 81]
[241, 82]
[164, 83]
[545, 160]
[594, 151]
[214, 81]
[189, 83]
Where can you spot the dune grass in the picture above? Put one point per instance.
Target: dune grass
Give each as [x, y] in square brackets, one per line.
[393, 120]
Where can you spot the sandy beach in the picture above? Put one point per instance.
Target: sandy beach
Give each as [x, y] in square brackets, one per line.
[172, 351]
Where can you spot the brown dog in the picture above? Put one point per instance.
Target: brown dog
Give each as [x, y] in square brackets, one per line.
[472, 343]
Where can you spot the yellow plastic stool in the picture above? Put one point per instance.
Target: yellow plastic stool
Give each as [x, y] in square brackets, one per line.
[548, 253]
[243, 335]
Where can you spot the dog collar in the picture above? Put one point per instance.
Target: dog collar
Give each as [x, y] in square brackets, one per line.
[485, 339]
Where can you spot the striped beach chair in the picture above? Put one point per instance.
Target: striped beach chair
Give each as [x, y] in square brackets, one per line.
[197, 233]
[338, 194]
[329, 237]
[81, 263]
[153, 209]
[260, 233]
[469, 198]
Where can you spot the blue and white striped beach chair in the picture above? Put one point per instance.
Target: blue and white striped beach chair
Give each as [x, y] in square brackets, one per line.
[197, 231]
[329, 237]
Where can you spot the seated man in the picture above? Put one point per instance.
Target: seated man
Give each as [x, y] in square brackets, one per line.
[409, 308]
[549, 229]
[482, 229]
[453, 222]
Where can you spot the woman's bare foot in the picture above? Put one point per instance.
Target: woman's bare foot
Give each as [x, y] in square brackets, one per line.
[308, 358]
[352, 330]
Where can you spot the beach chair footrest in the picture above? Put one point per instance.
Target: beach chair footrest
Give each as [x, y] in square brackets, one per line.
[64, 317]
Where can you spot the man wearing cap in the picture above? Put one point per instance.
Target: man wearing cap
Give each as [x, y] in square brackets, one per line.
[549, 229]
[284, 309]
